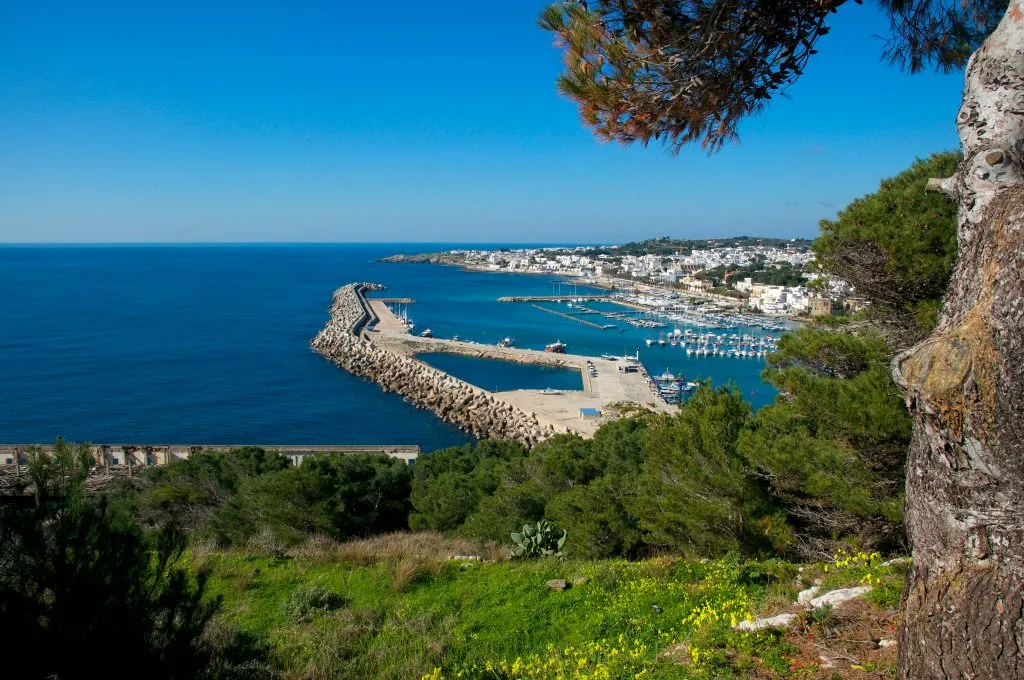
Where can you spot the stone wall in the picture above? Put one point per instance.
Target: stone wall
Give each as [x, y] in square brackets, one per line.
[470, 408]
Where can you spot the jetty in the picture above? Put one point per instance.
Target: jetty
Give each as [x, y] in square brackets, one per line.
[364, 337]
[553, 298]
[576, 318]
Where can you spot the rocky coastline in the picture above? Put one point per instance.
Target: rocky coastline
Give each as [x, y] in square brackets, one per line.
[473, 410]
[425, 258]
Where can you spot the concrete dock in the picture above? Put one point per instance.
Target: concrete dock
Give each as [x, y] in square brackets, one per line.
[562, 411]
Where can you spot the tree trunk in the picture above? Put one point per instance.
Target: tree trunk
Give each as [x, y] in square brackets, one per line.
[964, 599]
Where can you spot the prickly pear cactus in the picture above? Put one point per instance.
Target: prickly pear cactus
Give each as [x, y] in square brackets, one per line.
[540, 540]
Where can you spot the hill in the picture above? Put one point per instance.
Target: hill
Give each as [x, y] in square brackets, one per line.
[399, 606]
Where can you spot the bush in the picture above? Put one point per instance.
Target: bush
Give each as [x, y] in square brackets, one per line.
[235, 654]
[308, 603]
[74, 579]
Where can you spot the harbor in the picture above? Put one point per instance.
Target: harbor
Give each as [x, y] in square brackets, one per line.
[687, 338]
[607, 383]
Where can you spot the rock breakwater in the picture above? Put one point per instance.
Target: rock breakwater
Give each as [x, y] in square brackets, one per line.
[473, 410]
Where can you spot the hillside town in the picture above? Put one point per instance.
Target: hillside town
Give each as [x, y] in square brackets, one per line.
[775, 278]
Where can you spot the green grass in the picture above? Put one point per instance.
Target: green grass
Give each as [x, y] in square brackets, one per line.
[499, 620]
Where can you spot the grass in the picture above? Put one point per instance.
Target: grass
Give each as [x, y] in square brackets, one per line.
[410, 612]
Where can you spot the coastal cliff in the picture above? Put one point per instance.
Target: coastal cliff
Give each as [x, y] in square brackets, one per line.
[471, 409]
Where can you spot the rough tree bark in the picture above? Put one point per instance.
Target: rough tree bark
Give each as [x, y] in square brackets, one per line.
[964, 384]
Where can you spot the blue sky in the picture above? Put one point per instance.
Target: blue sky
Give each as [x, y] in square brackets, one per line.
[401, 121]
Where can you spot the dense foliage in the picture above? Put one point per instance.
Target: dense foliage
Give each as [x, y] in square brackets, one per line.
[84, 595]
[833, 445]
[781, 274]
[897, 247]
[232, 497]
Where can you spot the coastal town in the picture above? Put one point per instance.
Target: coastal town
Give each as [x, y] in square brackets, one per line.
[773, 277]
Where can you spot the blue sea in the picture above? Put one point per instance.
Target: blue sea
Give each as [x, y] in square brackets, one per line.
[210, 344]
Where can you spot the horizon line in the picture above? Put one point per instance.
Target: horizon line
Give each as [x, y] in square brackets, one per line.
[17, 244]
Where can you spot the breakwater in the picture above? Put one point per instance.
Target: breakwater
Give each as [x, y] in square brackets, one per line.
[472, 409]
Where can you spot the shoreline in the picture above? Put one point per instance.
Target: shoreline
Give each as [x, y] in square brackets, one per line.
[598, 283]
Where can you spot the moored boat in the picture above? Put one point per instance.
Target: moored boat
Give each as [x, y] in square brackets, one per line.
[558, 347]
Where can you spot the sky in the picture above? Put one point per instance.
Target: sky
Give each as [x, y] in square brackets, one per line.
[334, 121]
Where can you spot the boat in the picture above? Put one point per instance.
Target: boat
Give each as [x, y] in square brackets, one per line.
[506, 342]
[455, 338]
[426, 333]
[558, 347]
[549, 390]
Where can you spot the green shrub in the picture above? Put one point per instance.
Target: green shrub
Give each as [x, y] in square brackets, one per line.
[307, 603]
[886, 594]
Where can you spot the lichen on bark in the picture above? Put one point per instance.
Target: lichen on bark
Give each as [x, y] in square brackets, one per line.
[965, 386]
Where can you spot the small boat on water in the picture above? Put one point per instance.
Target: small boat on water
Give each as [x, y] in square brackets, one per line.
[558, 347]
[427, 333]
[506, 342]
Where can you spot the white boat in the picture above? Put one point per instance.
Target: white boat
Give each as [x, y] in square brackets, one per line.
[426, 333]
[558, 347]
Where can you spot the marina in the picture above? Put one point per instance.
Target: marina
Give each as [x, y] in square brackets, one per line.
[682, 336]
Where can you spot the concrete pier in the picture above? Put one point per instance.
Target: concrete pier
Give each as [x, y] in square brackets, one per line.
[367, 339]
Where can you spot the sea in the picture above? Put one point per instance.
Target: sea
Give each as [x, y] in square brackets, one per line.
[209, 344]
